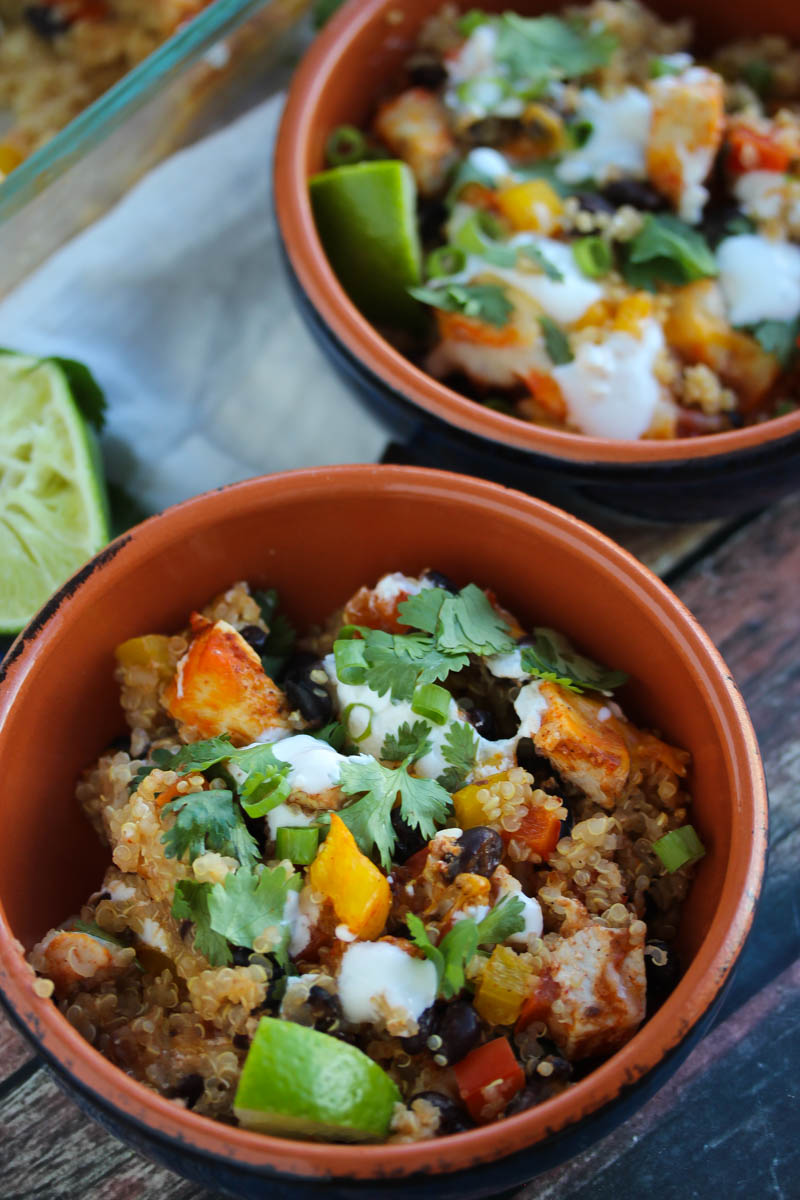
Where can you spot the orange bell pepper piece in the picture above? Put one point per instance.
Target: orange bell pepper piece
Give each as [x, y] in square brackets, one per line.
[357, 889]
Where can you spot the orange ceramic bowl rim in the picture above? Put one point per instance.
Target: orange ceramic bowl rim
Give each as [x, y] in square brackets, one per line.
[111, 1087]
[306, 99]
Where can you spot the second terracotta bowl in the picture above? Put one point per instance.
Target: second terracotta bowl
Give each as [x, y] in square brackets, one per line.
[352, 64]
[317, 535]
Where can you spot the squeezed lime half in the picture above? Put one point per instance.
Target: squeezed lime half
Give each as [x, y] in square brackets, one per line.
[53, 504]
[301, 1083]
[366, 216]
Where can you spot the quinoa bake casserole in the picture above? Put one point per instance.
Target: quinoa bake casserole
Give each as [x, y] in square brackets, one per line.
[606, 223]
[384, 879]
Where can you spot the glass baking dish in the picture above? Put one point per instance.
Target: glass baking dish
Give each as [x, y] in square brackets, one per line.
[219, 64]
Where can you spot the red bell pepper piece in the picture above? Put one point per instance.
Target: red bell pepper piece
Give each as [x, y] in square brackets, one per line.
[488, 1078]
[749, 150]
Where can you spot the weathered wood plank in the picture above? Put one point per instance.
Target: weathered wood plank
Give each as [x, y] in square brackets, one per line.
[661, 548]
[14, 1050]
[52, 1150]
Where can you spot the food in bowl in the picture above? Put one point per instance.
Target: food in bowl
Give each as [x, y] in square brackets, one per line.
[417, 853]
[58, 56]
[610, 224]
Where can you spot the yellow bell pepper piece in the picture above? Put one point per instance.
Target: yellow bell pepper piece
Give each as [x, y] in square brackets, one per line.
[10, 158]
[503, 987]
[633, 312]
[531, 205]
[357, 889]
[151, 650]
[475, 804]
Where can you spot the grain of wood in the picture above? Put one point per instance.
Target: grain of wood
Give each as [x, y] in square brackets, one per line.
[14, 1050]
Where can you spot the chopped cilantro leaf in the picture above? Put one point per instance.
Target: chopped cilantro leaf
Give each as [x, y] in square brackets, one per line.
[543, 262]
[666, 250]
[333, 733]
[553, 657]
[482, 301]
[397, 663]
[778, 338]
[190, 903]
[423, 804]
[281, 637]
[462, 624]
[410, 741]
[459, 749]
[556, 342]
[238, 911]
[207, 821]
[534, 49]
[462, 941]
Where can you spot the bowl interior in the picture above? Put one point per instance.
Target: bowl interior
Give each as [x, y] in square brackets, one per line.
[317, 536]
[354, 63]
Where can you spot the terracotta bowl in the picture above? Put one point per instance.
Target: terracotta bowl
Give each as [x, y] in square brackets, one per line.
[317, 535]
[354, 62]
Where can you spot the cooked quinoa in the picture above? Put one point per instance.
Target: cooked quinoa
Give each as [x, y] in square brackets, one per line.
[58, 56]
[420, 830]
[610, 225]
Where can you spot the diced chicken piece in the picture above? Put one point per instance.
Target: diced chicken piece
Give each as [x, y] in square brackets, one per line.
[685, 134]
[491, 355]
[76, 961]
[414, 127]
[698, 329]
[598, 977]
[585, 742]
[221, 687]
[377, 607]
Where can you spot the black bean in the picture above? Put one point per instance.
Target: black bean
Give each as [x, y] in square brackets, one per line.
[723, 220]
[419, 1041]
[409, 840]
[255, 636]
[482, 722]
[479, 852]
[241, 956]
[440, 580]
[241, 1041]
[431, 216]
[427, 72]
[593, 202]
[459, 1027]
[662, 971]
[123, 742]
[492, 131]
[635, 193]
[452, 1117]
[46, 19]
[304, 693]
[325, 1010]
[190, 1089]
[185, 927]
[535, 1092]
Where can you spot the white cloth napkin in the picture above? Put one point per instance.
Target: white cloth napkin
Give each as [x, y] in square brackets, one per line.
[178, 302]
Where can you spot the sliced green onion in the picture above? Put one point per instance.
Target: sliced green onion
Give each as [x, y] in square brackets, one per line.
[358, 737]
[556, 342]
[345, 146]
[593, 256]
[271, 790]
[679, 847]
[351, 664]
[447, 260]
[299, 845]
[432, 702]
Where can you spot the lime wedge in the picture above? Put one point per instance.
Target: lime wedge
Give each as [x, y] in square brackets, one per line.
[301, 1083]
[366, 218]
[53, 507]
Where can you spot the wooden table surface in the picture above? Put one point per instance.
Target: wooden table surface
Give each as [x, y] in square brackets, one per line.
[730, 1118]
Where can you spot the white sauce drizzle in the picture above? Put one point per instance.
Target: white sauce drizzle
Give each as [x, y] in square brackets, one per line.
[618, 141]
[760, 279]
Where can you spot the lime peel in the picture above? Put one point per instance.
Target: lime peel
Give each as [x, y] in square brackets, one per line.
[298, 1082]
[53, 502]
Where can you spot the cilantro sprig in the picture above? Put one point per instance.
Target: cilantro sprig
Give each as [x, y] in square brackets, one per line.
[484, 301]
[553, 657]
[409, 743]
[205, 821]
[237, 911]
[260, 775]
[666, 250]
[461, 942]
[424, 804]
[460, 624]
[458, 749]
